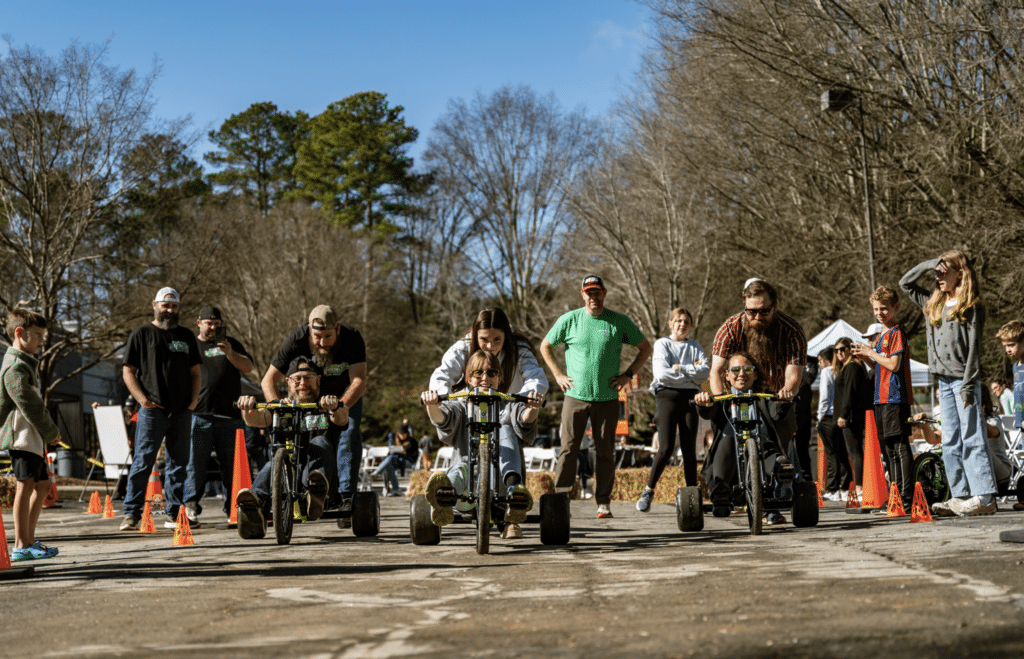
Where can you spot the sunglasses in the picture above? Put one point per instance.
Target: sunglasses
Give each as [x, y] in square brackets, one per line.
[303, 378]
[748, 369]
[491, 373]
[843, 349]
[765, 311]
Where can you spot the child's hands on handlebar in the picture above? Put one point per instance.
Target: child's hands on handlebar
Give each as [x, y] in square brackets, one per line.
[703, 399]
[430, 398]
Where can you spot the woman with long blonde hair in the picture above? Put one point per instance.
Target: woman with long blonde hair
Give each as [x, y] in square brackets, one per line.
[956, 320]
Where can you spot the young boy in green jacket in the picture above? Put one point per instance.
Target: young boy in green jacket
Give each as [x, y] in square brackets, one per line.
[25, 430]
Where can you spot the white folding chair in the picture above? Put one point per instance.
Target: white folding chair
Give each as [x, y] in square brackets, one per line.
[443, 458]
[372, 457]
[1014, 438]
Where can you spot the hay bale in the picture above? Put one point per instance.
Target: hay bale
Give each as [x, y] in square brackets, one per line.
[7, 494]
[537, 482]
[630, 484]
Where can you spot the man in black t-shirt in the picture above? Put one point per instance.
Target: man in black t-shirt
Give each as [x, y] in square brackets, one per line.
[215, 421]
[161, 370]
[339, 352]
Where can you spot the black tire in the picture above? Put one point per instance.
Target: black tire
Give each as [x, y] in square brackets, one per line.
[281, 498]
[689, 509]
[753, 488]
[554, 519]
[366, 514]
[421, 529]
[805, 504]
[1020, 490]
[483, 500]
[930, 472]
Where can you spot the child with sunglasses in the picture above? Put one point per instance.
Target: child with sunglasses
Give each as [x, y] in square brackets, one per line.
[518, 425]
[720, 462]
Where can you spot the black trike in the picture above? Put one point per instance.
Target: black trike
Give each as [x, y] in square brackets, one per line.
[483, 416]
[754, 490]
[288, 434]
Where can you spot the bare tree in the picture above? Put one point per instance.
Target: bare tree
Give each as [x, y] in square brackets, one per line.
[67, 127]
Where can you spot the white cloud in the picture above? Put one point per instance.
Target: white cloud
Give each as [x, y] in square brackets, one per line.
[611, 35]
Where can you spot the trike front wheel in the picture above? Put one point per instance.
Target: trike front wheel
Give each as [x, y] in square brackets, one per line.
[753, 487]
[483, 500]
[281, 497]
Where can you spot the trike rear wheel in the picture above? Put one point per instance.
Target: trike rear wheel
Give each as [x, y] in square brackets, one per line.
[930, 472]
[689, 509]
[366, 514]
[805, 504]
[421, 528]
[281, 497]
[554, 519]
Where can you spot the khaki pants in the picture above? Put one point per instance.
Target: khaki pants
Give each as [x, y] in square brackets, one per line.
[603, 417]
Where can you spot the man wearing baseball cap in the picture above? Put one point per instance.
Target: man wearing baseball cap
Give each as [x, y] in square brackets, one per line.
[215, 420]
[593, 338]
[161, 370]
[339, 352]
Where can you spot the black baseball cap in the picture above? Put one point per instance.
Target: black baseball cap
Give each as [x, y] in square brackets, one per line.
[592, 282]
[209, 312]
[303, 365]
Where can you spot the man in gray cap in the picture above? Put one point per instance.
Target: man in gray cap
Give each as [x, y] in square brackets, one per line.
[161, 370]
[215, 420]
[339, 352]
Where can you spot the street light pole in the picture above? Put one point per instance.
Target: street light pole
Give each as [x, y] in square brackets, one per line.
[837, 100]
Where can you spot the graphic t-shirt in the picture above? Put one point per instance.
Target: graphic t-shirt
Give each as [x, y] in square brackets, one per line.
[347, 350]
[593, 350]
[163, 360]
[222, 382]
[893, 386]
[1018, 394]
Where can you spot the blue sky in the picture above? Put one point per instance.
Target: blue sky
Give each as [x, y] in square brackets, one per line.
[218, 58]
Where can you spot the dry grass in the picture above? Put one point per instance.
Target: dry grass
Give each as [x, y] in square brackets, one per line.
[629, 483]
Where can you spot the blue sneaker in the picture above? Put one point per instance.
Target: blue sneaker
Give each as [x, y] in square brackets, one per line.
[643, 504]
[35, 552]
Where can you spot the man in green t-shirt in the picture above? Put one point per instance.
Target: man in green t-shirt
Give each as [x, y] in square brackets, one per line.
[593, 338]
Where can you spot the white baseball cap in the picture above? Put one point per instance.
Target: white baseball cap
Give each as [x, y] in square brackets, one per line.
[873, 329]
[167, 294]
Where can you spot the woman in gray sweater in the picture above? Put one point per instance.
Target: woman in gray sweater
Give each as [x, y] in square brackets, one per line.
[956, 319]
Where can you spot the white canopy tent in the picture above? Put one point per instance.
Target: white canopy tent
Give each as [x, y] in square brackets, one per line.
[827, 337]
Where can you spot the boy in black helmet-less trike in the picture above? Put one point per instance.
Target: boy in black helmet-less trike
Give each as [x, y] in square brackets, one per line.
[745, 466]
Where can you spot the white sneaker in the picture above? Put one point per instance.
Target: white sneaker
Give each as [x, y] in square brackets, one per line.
[512, 532]
[972, 506]
[942, 508]
[603, 511]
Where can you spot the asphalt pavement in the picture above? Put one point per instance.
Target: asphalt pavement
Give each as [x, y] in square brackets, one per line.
[855, 586]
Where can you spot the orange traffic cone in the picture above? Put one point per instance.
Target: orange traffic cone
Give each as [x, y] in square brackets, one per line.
[895, 507]
[875, 488]
[108, 509]
[94, 503]
[822, 480]
[6, 570]
[919, 511]
[241, 478]
[182, 532]
[852, 500]
[147, 525]
[52, 497]
[154, 489]
[821, 502]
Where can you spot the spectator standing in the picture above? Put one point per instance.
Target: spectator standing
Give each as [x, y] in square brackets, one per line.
[838, 478]
[593, 338]
[955, 318]
[161, 370]
[680, 368]
[215, 421]
[427, 450]
[339, 353]
[25, 430]
[852, 400]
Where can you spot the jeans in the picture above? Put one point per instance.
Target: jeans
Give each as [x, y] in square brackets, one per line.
[210, 433]
[964, 448]
[318, 459]
[390, 467]
[510, 461]
[350, 452]
[154, 426]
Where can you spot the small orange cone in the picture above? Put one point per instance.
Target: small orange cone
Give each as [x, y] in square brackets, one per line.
[182, 532]
[154, 489]
[5, 559]
[895, 508]
[919, 511]
[821, 502]
[822, 467]
[147, 525]
[108, 509]
[52, 497]
[852, 500]
[94, 503]
[241, 478]
[874, 486]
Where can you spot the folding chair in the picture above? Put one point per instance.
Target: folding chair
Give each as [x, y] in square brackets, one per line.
[1014, 438]
[372, 456]
[443, 458]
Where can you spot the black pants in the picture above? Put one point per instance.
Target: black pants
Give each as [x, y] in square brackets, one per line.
[836, 457]
[853, 435]
[673, 411]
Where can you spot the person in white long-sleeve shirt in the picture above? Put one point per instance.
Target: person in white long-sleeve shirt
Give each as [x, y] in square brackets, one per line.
[680, 368]
[492, 332]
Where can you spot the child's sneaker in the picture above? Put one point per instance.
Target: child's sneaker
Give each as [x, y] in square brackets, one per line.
[439, 515]
[522, 502]
[511, 532]
[35, 552]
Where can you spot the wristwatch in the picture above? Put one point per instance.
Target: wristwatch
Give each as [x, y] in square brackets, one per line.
[628, 372]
